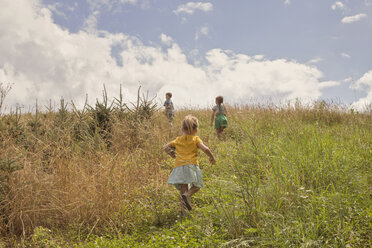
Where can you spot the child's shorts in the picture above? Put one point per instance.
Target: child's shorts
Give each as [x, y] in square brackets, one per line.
[186, 174]
[170, 115]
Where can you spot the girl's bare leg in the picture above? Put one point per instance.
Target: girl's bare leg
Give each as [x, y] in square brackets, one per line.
[219, 132]
[188, 194]
[193, 190]
[183, 189]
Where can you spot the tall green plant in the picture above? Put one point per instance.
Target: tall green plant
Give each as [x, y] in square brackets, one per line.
[103, 117]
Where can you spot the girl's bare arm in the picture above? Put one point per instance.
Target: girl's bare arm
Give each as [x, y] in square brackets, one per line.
[207, 151]
[212, 118]
[169, 149]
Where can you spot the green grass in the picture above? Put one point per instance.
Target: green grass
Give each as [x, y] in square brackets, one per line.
[289, 178]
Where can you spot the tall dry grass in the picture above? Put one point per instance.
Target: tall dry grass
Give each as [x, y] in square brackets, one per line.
[65, 169]
[102, 169]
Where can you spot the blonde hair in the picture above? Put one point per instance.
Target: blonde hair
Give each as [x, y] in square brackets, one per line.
[219, 100]
[190, 124]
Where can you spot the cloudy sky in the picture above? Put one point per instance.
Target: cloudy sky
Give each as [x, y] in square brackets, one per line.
[245, 50]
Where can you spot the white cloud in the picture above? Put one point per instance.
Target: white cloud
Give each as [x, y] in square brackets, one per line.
[46, 62]
[115, 6]
[165, 39]
[98, 4]
[315, 60]
[191, 7]
[287, 2]
[259, 57]
[200, 32]
[345, 55]
[55, 8]
[354, 18]
[365, 84]
[347, 80]
[338, 5]
[90, 23]
[61, 8]
[242, 76]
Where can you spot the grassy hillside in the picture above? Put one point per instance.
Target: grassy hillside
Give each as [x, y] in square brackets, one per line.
[97, 177]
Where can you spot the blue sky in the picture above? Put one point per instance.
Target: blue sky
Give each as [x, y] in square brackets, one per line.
[246, 50]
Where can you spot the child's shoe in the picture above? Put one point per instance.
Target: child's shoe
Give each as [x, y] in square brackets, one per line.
[186, 200]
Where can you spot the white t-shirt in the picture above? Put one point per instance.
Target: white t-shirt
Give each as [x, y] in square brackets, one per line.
[219, 109]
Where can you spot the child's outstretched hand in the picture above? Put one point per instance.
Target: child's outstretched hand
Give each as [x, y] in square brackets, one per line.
[172, 153]
[212, 160]
[170, 150]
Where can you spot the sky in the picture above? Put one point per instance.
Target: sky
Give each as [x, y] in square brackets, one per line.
[249, 51]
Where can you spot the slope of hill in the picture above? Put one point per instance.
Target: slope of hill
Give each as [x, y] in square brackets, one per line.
[97, 177]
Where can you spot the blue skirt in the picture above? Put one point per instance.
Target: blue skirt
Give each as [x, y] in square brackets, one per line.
[186, 174]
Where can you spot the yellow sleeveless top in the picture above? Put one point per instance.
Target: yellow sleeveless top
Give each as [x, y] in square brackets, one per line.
[186, 149]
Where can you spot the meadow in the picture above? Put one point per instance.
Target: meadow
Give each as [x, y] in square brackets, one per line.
[294, 176]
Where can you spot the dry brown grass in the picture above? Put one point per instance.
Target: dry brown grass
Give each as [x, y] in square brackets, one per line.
[67, 182]
[85, 184]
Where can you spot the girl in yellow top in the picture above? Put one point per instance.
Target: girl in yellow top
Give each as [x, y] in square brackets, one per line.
[186, 176]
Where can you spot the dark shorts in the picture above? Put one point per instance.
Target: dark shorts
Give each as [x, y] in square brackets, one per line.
[170, 115]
